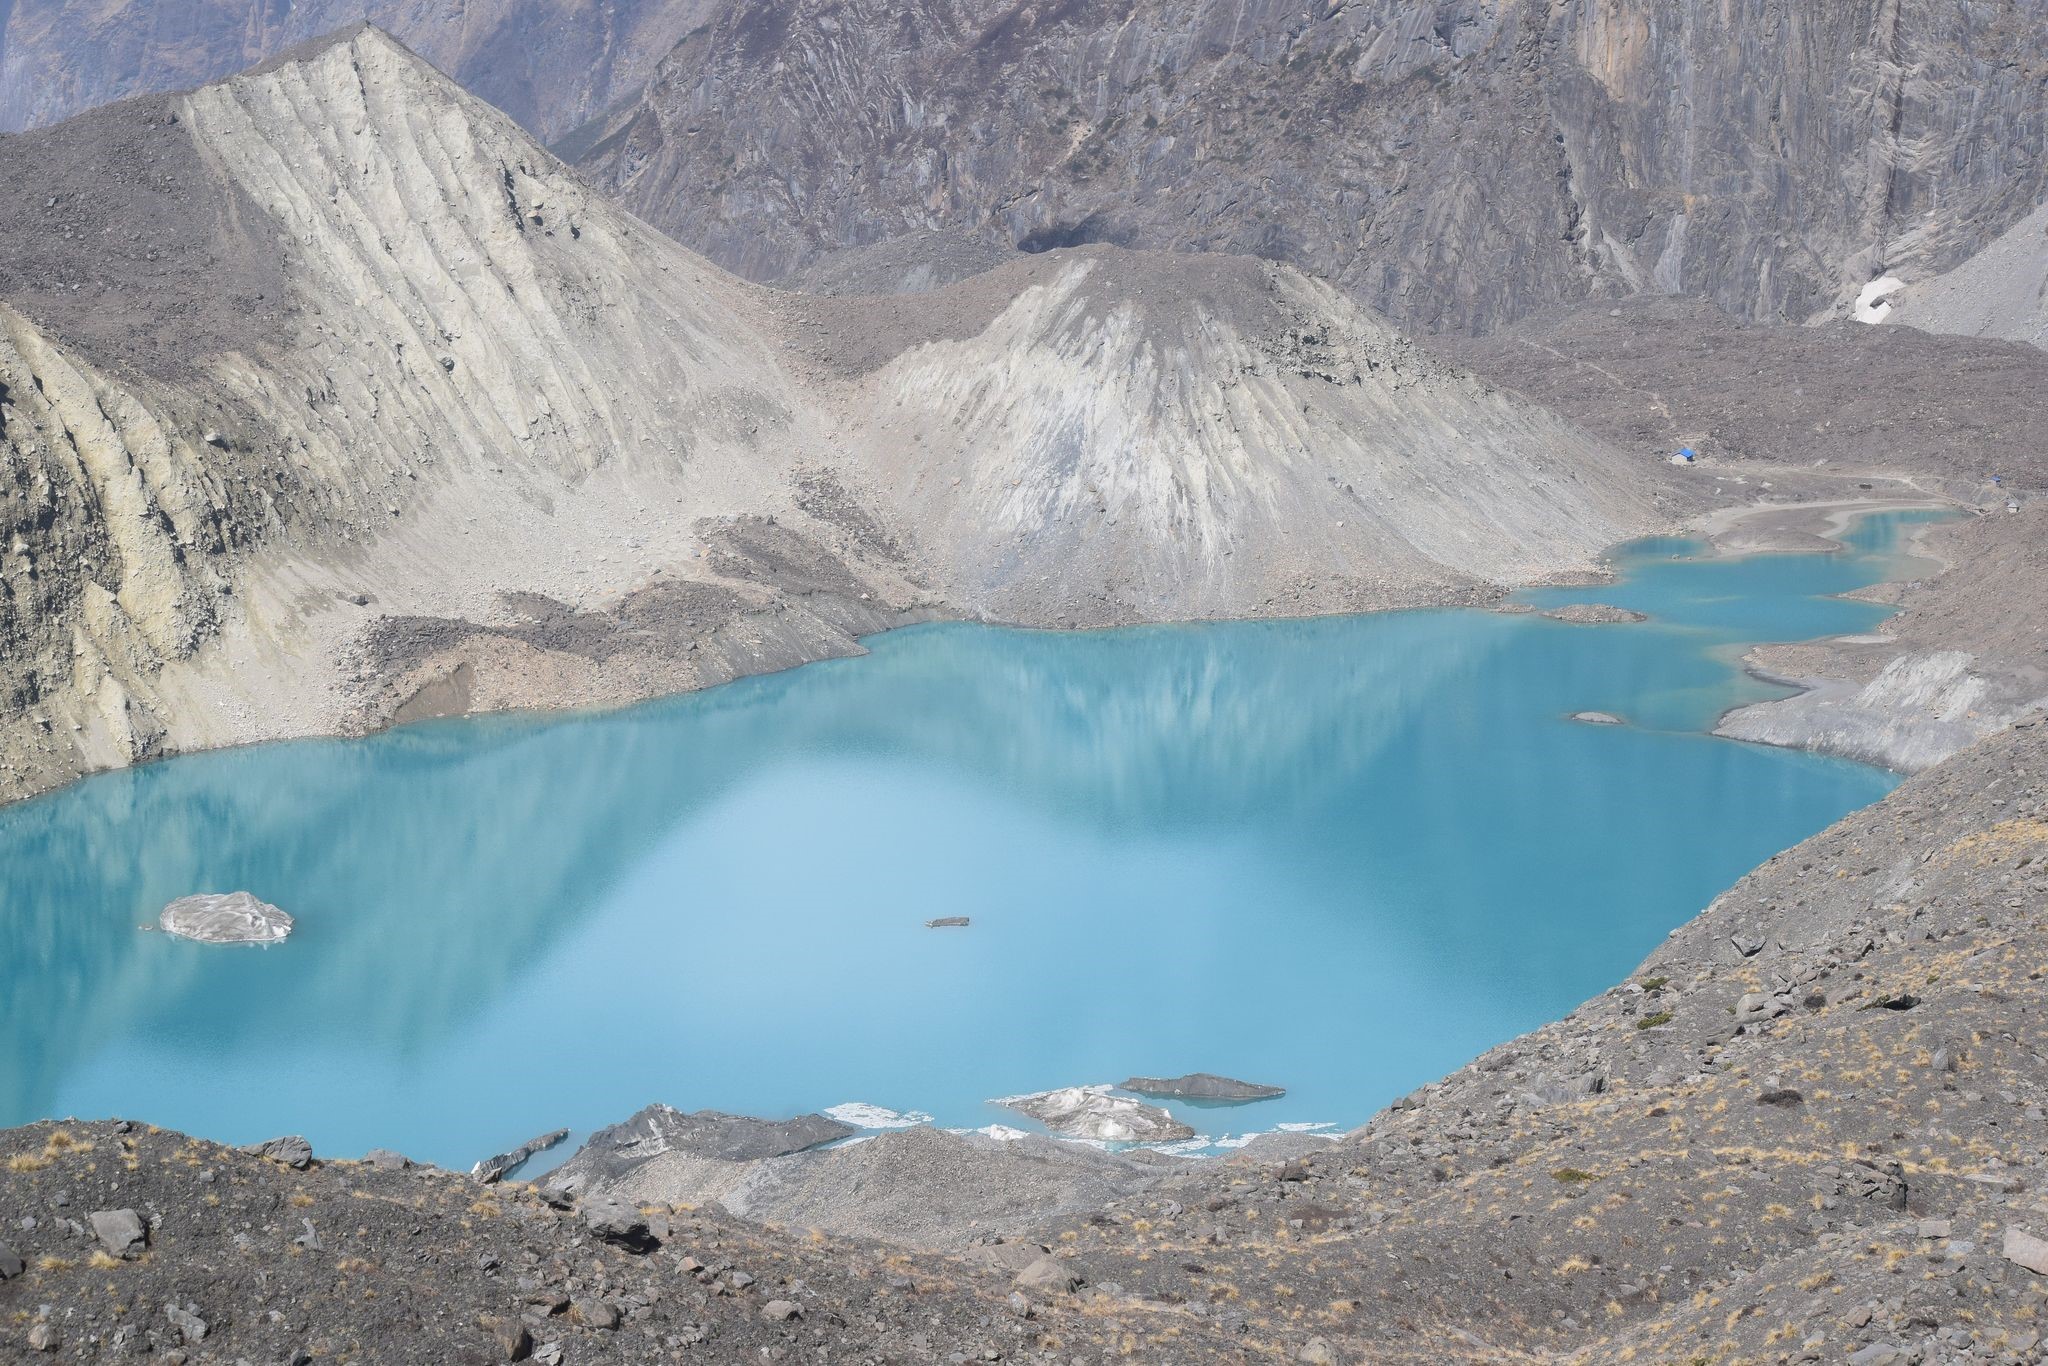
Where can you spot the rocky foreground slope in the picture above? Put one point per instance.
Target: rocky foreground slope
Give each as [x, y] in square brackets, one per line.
[1455, 165]
[1810, 1126]
[327, 398]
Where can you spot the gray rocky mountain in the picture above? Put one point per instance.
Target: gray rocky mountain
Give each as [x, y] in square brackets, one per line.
[551, 66]
[1455, 165]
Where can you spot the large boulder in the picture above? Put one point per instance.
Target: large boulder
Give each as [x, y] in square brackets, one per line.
[121, 1232]
[236, 918]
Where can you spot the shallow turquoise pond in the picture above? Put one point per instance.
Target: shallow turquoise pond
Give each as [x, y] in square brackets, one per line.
[1343, 856]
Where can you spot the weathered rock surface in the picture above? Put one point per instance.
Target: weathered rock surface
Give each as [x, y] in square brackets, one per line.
[233, 918]
[1092, 1112]
[1454, 165]
[609, 1156]
[1202, 1086]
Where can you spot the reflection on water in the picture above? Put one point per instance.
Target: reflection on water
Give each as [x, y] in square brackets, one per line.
[1339, 855]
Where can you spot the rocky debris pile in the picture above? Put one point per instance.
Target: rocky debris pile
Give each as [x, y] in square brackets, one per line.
[610, 1156]
[1092, 1112]
[1594, 614]
[235, 918]
[1202, 1086]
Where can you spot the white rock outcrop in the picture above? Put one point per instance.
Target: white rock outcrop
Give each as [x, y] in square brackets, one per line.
[1092, 1112]
[234, 918]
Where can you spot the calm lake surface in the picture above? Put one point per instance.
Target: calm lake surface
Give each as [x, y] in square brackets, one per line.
[1343, 856]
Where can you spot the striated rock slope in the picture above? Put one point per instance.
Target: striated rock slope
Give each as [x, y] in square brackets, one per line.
[1456, 165]
[551, 66]
[330, 399]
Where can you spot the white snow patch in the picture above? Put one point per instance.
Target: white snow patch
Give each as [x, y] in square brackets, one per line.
[1873, 305]
[861, 1115]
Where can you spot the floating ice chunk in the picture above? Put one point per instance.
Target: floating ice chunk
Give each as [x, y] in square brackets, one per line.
[864, 1116]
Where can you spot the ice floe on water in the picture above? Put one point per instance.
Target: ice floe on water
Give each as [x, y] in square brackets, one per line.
[1300, 1128]
[861, 1115]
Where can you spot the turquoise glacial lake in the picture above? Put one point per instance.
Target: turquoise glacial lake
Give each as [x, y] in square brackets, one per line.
[1343, 856]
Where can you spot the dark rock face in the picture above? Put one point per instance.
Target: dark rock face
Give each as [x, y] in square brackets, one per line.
[612, 1153]
[548, 65]
[504, 1164]
[1456, 165]
[1202, 1086]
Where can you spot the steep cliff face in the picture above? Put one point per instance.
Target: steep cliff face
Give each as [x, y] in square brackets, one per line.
[330, 399]
[550, 65]
[1453, 164]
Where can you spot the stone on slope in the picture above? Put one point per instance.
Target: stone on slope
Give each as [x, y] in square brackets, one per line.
[233, 918]
[1092, 1112]
[619, 1223]
[291, 1151]
[121, 1232]
[1202, 1086]
[2024, 1249]
[1048, 1275]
